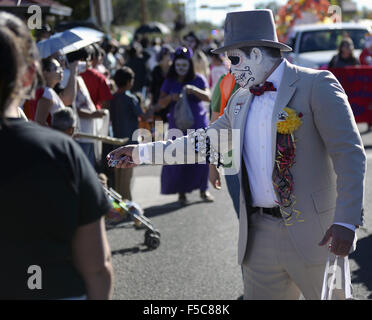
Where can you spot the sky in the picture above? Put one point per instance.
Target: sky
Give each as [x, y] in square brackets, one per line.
[217, 16]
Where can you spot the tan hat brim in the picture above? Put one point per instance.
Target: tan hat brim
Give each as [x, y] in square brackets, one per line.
[259, 43]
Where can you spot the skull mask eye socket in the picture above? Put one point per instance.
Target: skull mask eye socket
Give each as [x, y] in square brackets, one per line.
[234, 60]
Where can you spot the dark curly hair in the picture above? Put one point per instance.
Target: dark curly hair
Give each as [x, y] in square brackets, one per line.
[17, 52]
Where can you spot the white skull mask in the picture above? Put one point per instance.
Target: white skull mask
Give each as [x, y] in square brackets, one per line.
[247, 71]
[182, 67]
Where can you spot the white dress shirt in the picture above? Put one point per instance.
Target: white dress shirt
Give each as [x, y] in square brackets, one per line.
[257, 143]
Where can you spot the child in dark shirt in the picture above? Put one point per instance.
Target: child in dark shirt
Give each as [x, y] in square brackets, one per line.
[125, 114]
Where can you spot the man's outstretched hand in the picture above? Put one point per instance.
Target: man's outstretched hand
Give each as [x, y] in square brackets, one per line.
[123, 157]
[342, 240]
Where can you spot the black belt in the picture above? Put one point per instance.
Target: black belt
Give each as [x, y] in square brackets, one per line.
[275, 212]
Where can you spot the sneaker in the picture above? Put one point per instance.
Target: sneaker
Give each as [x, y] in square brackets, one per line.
[206, 196]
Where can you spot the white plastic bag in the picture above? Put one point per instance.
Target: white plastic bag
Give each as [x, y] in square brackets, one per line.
[182, 113]
[346, 275]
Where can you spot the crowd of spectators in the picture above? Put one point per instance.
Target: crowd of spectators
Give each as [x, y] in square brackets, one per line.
[113, 90]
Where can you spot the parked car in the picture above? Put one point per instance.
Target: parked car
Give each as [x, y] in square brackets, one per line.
[314, 45]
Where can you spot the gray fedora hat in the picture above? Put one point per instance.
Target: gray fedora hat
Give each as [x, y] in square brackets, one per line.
[250, 28]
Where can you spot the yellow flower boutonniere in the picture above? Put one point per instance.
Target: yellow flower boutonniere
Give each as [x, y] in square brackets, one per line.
[288, 121]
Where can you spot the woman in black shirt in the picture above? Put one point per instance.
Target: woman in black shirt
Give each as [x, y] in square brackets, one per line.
[158, 76]
[52, 234]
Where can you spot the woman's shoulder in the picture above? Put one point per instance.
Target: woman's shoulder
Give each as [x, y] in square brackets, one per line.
[48, 93]
[48, 90]
[200, 79]
[333, 61]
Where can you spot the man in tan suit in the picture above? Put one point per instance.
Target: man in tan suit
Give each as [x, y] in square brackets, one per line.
[299, 157]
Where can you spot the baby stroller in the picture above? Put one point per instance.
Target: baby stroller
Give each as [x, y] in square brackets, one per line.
[119, 212]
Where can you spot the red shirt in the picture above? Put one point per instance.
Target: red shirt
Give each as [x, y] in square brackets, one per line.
[97, 86]
[365, 53]
[30, 106]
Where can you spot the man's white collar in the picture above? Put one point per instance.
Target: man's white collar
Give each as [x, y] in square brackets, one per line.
[277, 75]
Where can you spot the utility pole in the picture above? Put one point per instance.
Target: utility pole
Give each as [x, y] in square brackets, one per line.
[143, 11]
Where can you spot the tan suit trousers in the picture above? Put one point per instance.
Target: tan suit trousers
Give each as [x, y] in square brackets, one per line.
[273, 269]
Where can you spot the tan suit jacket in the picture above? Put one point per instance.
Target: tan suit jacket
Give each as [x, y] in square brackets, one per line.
[329, 173]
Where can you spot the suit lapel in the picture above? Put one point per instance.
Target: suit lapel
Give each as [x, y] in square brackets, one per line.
[285, 93]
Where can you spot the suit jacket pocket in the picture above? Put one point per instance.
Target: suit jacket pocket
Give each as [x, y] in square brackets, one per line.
[325, 199]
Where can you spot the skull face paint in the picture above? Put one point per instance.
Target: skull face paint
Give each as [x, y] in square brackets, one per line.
[248, 71]
[182, 67]
[241, 68]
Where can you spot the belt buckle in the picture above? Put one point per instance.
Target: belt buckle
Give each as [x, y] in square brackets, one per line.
[272, 212]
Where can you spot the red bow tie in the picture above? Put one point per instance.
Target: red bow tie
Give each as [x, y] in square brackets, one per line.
[258, 90]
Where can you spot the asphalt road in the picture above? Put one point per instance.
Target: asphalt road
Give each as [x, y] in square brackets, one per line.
[197, 257]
